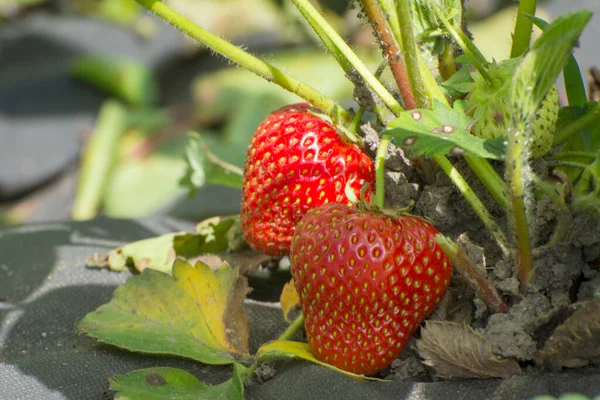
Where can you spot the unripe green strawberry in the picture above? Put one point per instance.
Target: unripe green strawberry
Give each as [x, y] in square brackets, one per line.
[296, 161]
[366, 281]
[490, 109]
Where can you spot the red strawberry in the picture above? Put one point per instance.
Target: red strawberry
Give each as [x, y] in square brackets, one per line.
[366, 282]
[296, 161]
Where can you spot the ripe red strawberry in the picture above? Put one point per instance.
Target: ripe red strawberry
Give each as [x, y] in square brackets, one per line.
[296, 161]
[366, 282]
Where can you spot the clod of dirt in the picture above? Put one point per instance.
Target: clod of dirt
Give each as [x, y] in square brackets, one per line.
[404, 193]
[511, 334]
[395, 159]
[576, 342]
[456, 305]
[264, 372]
[457, 351]
[407, 367]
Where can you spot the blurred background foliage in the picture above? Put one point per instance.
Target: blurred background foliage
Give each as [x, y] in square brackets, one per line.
[131, 154]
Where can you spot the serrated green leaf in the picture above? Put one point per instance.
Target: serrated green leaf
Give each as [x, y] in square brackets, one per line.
[203, 167]
[430, 32]
[217, 235]
[279, 349]
[197, 313]
[461, 82]
[172, 383]
[439, 132]
[538, 71]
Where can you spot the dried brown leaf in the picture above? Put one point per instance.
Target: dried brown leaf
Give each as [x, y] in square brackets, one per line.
[576, 342]
[457, 351]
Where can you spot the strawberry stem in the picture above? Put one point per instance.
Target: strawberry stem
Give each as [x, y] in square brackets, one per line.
[473, 275]
[411, 56]
[343, 53]
[490, 179]
[479, 208]
[523, 27]
[380, 171]
[518, 174]
[465, 43]
[294, 327]
[248, 61]
[392, 54]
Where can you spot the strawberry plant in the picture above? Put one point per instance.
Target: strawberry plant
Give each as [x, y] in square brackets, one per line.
[476, 149]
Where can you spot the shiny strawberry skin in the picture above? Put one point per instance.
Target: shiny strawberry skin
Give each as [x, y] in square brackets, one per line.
[366, 282]
[296, 161]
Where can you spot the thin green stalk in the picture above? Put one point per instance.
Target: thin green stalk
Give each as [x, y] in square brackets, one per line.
[479, 208]
[576, 154]
[294, 327]
[248, 61]
[518, 175]
[380, 171]
[523, 27]
[571, 164]
[98, 159]
[468, 47]
[490, 179]
[409, 51]
[313, 17]
[392, 53]
[587, 121]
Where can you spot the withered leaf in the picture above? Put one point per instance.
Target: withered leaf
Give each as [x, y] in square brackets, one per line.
[289, 299]
[576, 342]
[457, 351]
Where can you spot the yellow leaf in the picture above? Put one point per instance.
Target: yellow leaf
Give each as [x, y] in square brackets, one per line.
[289, 298]
[289, 349]
[197, 313]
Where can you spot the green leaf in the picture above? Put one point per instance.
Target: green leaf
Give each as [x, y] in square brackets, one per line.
[430, 32]
[278, 349]
[203, 167]
[461, 82]
[441, 131]
[215, 235]
[197, 313]
[172, 383]
[538, 71]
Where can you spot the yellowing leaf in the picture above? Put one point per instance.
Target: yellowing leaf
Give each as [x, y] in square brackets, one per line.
[196, 314]
[289, 298]
[277, 349]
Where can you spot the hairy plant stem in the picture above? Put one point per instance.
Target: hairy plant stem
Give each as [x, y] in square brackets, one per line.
[380, 171]
[314, 18]
[411, 56]
[248, 61]
[392, 53]
[472, 275]
[523, 27]
[490, 179]
[575, 154]
[467, 46]
[517, 175]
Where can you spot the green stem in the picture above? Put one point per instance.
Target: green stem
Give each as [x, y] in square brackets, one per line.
[467, 46]
[587, 121]
[314, 18]
[380, 171]
[490, 179]
[517, 176]
[294, 327]
[251, 63]
[464, 188]
[409, 51]
[571, 164]
[392, 53]
[576, 154]
[98, 159]
[523, 27]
